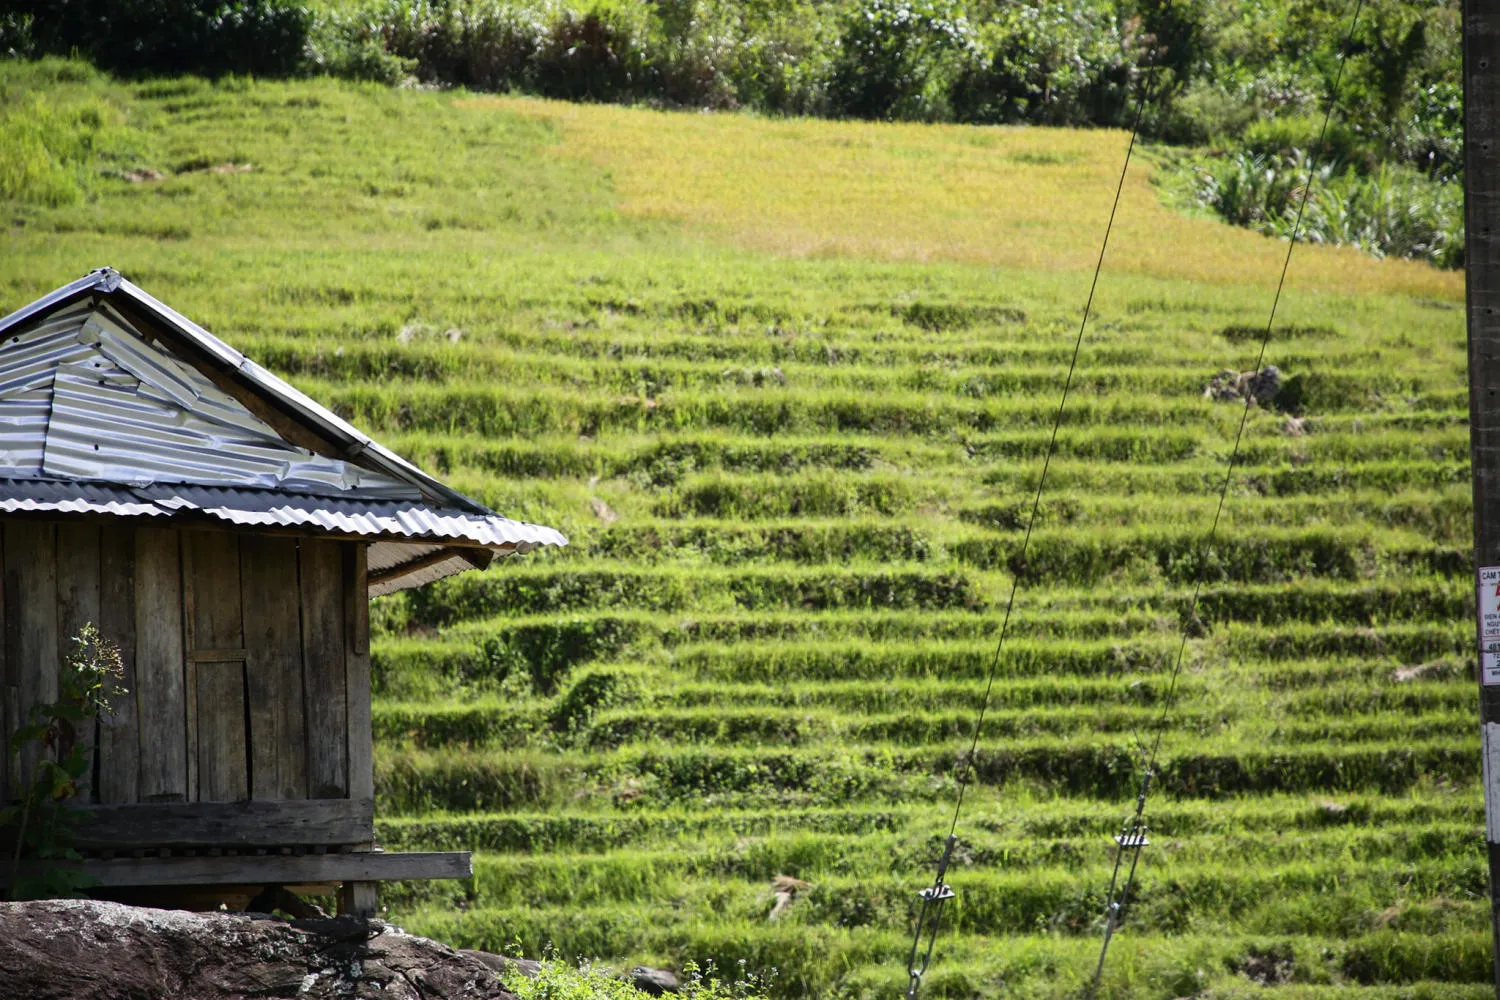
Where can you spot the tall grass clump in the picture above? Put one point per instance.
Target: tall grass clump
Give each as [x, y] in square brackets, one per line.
[1392, 211]
[58, 125]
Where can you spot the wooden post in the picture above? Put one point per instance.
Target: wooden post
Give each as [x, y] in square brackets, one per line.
[359, 899]
[1481, 54]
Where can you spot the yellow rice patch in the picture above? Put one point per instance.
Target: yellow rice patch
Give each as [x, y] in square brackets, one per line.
[1030, 198]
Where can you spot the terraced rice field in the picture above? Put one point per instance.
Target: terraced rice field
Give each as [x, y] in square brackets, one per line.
[795, 487]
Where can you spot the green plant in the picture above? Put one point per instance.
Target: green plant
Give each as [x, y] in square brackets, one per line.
[56, 744]
[555, 979]
[1390, 211]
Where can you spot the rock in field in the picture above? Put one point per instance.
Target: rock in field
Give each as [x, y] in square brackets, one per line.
[1228, 385]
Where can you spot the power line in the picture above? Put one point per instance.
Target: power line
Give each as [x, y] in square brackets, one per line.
[1132, 837]
[929, 916]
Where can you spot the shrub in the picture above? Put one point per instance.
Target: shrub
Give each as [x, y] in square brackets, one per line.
[204, 37]
[595, 55]
[1058, 64]
[894, 55]
[353, 46]
[473, 44]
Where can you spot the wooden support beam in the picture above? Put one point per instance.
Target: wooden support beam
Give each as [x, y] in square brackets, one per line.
[411, 566]
[224, 824]
[271, 869]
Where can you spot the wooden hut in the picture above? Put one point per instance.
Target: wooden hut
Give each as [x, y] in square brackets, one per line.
[226, 531]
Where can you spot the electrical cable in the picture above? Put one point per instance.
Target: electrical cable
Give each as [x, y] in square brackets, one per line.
[929, 916]
[1132, 837]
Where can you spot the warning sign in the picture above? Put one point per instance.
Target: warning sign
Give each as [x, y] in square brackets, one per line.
[1489, 624]
[1489, 602]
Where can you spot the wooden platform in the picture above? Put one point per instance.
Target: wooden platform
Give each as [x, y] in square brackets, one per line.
[266, 869]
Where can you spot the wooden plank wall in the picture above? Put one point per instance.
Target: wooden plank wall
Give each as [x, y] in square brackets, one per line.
[31, 619]
[247, 669]
[78, 568]
[357, 672]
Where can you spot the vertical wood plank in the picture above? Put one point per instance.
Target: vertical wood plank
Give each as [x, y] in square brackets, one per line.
[189, 666]
[161, 701]
[119, 743]
[212, 603]
[323, 668]
[273, 637]
[357, 671]
[78, 605]
[222, 775]
[31, 620]
[78, 554]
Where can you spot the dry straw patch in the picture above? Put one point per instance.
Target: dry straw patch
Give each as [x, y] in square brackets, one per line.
[1029, 198]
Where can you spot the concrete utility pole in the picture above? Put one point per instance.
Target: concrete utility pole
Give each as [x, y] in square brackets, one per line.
[1481, 20]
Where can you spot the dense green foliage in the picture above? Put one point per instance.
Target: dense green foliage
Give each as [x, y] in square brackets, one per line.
[140, 37]
[1223, 68]
[794, 487]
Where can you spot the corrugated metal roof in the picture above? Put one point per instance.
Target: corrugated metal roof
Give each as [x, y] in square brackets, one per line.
[345, 440]
[108, 406]
[85, 397]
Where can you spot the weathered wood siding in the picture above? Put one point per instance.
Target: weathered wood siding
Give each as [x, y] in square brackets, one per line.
[247, 668]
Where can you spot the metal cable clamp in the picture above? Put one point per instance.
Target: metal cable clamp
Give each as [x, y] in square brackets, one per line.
[929, 919]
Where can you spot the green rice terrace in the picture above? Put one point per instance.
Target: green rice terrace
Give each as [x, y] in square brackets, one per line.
[790, 419]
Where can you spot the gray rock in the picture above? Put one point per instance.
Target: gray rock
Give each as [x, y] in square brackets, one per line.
[78, 949]
[1262, 386]
[654, 982]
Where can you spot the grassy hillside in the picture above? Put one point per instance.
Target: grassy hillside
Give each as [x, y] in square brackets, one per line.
[787, 385]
